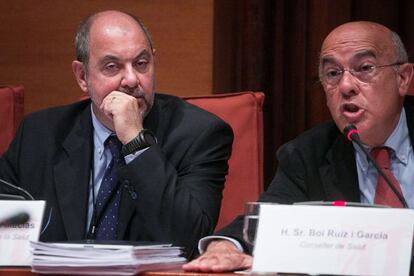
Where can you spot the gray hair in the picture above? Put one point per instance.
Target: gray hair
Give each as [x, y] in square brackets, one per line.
[399, 49]
[82, 37]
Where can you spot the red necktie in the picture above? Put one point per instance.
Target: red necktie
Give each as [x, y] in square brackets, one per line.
[383, 194]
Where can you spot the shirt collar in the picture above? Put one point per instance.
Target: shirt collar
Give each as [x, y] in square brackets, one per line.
[398, 141]
[101, 133]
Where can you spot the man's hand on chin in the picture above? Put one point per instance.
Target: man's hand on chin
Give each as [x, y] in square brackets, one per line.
[220, 256]
[124, 112]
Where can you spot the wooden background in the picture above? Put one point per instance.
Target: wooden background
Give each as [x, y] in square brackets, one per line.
[203, 47]
[37, 45]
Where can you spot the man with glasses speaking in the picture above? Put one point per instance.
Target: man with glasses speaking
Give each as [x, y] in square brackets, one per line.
[365, 74]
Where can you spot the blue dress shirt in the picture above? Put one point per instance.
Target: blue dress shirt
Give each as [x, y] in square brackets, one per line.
[402, 165]
[101, 159]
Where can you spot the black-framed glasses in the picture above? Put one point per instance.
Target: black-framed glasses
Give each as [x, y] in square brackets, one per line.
[364, 73]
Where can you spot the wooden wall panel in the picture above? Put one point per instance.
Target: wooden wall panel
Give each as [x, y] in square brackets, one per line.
[37, 45]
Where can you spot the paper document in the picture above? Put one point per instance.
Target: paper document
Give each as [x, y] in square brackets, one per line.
[102, 259]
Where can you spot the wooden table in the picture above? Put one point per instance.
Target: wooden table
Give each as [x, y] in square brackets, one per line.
[23, 271]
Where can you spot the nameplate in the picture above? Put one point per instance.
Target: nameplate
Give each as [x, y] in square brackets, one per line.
[333, 240]
[15, 238]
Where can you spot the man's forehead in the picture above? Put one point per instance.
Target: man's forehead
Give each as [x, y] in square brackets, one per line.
[102, 27]
[116, 35]
[358, 37]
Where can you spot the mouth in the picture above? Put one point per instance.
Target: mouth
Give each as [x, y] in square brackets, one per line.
[351, 112]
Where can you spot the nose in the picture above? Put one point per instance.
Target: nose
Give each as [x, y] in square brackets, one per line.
[130, 77]
[347, 85]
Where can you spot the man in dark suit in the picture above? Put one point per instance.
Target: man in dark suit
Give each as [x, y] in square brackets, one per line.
[365, 75]
[174, 155]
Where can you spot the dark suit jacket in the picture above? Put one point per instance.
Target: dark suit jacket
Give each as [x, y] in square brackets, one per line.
[318, 165]
[179, 181]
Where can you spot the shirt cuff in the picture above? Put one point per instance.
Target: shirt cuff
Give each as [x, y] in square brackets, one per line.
[130, 157]
[203, 243]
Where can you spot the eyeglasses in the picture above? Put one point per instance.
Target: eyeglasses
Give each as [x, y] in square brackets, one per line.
[364, 73]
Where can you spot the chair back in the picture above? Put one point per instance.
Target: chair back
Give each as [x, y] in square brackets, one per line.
[11, 113]
[243, 112]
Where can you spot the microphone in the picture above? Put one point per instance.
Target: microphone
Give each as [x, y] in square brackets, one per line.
[22, 192]
[351, 133]
[19, 218]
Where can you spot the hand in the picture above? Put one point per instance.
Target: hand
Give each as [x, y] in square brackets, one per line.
[124, 112]
[220, 256]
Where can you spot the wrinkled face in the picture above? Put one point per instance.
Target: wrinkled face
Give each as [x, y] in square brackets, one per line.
[121, 59]
[371, 100]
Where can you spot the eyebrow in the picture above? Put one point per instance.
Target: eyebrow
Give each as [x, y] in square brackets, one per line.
[363, 54]
[108, 58]
[112, 58]
[356, 56]
[144, 53]
[328, 59]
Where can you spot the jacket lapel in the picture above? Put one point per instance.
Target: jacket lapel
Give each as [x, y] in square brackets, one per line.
[72, 172]
[339, 172]
[409, 113]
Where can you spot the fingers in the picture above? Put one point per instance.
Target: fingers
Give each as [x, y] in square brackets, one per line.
[123, 111]
[219, 262]
[203, 264]
[113, 100]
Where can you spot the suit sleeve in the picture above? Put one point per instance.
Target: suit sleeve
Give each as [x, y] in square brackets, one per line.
[178, 203]
[9, 162]
[287, 186]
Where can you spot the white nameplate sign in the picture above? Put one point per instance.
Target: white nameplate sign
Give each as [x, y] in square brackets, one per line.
[333, 240]
[15, 239]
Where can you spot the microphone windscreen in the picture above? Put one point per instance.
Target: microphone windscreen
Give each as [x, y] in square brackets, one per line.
[348, 128]
[351, 132]
[17, 219]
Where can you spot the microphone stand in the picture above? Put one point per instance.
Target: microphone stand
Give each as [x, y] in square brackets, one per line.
[351, 133]
[23, 193]
[11, 197]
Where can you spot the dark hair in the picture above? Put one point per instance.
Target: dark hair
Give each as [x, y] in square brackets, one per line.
[82, 37]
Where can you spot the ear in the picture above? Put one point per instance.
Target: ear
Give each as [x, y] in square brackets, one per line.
[405, 74]
[80, 74]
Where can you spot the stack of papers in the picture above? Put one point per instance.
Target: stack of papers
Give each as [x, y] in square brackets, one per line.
[103, 259]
